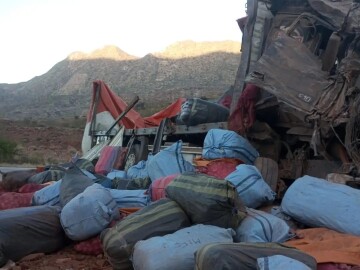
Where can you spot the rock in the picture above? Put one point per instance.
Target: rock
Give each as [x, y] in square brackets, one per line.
[50, 268]
[32, 257]
[62, 260]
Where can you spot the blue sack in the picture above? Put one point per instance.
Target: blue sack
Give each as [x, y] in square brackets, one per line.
[167, 162]
[89, 213]
[138, 171]
[318, 203]
[176, 251]
[251, 187]
[261, 227]
[130, 198]
[49, 195]
[280, 262]
[220, 143]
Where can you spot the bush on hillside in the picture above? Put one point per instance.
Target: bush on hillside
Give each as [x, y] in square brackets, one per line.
[7, 150]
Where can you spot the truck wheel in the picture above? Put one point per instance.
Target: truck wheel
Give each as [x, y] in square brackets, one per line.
[137, 152]
[269, 171]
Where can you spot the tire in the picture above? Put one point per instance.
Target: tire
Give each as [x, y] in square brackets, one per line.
[138, 151]
[269, 171]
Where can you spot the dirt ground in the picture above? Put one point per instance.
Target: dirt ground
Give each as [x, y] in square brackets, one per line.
[42, 145]
[67, 259]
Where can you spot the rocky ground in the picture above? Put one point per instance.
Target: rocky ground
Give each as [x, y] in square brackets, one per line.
[67, 259]
[41, 145]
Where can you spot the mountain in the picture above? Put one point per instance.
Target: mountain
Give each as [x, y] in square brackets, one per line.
[184, 69]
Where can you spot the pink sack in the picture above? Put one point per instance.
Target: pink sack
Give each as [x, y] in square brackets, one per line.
[108, 157]
[11, 200]
[31, 188]
[90, 246]
[219, 168]
[157, 188]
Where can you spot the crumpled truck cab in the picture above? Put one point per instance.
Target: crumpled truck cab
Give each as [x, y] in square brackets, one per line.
[305, 58]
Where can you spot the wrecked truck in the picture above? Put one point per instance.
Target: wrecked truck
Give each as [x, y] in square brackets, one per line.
[295, 95]
[303, 59]
[110, 121]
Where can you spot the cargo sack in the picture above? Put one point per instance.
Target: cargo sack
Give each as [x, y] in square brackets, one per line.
[207, 200]
[2, 191]
[157, 219]
[318, 203]
[138, 171]
[115, 174]
[31, 188]
[46, 176]
[219, 168]
[280, 262]
[176, 251]
[108, 160]
[85, 164]
[196, 111]
[73, 183]
[251, 187]
[49, 195]
[28, 230]
[89, 213]
[12, 181]
[90, 246]
[130, 198]
[119, 183]
[91, 175]
[244, 256]
[97, 178]
[157, 188]
[219, 143]
[11, 200]
[138, 183]
[168, 161]
[120, 160]
[103, 180]
[259, 226]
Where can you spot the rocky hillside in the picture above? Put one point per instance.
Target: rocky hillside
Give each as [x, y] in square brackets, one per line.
[184, 69]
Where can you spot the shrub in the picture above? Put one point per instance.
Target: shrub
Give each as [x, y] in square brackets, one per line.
[7, 150]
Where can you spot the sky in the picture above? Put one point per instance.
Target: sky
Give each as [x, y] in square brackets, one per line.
[37, 34]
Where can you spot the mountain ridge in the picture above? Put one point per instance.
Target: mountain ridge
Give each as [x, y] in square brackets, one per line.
[178, 71]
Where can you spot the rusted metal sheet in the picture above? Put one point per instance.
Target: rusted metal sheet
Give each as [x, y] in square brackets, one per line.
[343, 15]
[288, 70]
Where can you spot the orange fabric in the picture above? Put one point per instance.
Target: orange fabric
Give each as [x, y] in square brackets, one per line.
[124, 212]
[170, 111]
[328, 246]
[111, 102]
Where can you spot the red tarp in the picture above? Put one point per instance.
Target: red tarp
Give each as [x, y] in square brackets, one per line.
[170, 111]
[109, 101]
[243, 117]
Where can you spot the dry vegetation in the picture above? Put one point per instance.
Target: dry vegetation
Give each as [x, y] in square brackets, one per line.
[41, 143]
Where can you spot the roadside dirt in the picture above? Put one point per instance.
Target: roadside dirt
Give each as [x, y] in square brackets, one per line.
[42, 145]
[67, 258]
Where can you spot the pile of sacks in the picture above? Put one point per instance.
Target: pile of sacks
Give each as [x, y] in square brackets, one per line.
[187, 216]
